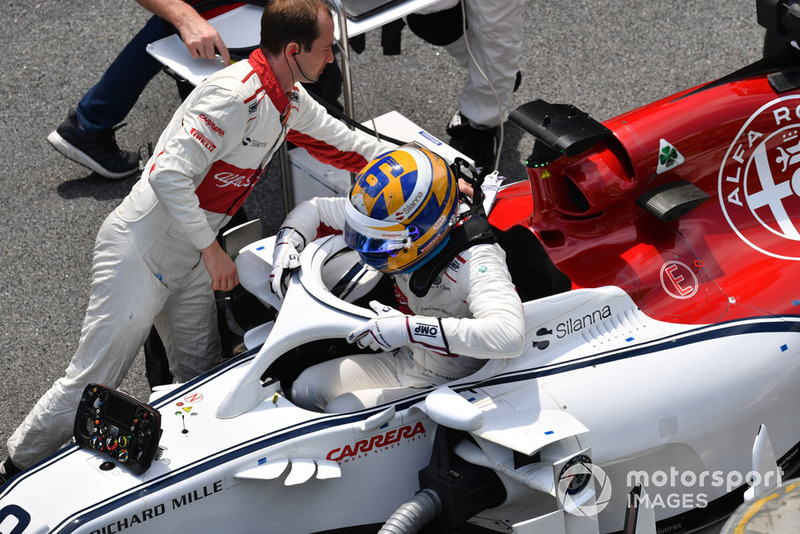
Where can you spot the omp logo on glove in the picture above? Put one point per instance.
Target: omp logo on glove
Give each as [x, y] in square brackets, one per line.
[428, 330]
[392, 329]
[428, 335]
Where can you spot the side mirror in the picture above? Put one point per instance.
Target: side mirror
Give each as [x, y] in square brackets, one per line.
[448, 408]
[238, 237]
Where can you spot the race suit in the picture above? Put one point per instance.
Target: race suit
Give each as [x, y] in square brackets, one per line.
[480, 311]
[147, 266]
[494, 34]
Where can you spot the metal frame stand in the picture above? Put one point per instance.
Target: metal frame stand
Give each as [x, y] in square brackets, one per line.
[347, 93]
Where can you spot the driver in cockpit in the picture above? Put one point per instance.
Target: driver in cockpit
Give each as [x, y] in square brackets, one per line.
[455, 302]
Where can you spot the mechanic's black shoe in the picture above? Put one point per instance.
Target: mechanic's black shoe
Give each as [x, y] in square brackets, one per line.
[478, 144]
[7, 470]
[458, 125]
[97, 151]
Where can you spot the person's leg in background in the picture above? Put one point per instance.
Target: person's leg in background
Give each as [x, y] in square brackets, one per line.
[87, 134]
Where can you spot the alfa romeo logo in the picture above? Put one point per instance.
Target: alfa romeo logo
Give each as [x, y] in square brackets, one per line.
[575, 476]
[759, 181]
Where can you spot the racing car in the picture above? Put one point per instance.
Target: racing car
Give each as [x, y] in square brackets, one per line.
[656, 254]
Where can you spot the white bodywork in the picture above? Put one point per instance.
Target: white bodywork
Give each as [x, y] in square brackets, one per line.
[599, 379]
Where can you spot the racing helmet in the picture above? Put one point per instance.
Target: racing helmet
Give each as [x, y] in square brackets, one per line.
[402, 207]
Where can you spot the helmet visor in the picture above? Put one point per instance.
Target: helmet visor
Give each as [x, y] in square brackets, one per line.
[368, 235]
[375, 241]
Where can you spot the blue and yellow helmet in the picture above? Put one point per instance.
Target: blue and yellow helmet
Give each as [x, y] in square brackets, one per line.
[402, 207]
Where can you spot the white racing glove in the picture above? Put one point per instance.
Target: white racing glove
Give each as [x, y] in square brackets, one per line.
[285, 259]
[391, 330]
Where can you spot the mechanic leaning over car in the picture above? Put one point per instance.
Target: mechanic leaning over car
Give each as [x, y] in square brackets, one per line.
[401, 217]
[156, 260]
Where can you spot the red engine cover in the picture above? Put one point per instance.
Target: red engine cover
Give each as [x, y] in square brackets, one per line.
[736, 255]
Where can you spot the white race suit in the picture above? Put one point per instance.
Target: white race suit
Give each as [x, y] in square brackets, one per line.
[481, 316]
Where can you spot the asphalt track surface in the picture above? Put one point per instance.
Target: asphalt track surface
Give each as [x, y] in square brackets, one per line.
[605, 57]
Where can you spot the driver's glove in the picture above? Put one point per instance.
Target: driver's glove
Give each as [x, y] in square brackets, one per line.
[391, 330]
[285, 259]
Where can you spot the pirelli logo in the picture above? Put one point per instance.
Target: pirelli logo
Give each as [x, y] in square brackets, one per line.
[205, 141]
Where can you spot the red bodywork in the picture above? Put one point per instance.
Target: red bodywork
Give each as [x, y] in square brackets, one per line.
[736, 255]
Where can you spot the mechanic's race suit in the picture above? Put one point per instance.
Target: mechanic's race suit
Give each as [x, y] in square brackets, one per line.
[480, 311]
[147, 266]
[494, 36]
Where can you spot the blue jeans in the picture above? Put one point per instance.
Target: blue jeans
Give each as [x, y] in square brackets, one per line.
[107, 103]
